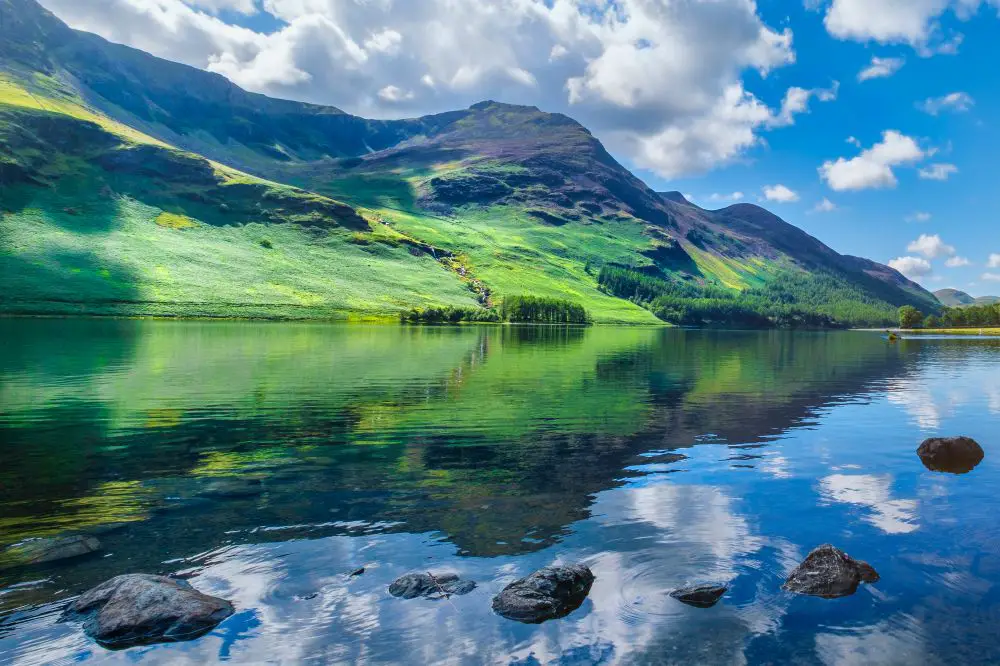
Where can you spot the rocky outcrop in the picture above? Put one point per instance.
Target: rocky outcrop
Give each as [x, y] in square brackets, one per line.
[549, 593]
[430, 586]
[829, 572]
[700, 596]
[44, 550]
[955, 455]
[139, 609]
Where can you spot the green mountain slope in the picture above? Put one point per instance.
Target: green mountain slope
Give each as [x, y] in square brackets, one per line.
[129, 184]
[954, 298]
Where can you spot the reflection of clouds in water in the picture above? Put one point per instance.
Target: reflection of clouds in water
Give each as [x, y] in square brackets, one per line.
[897, 641]
[917, 401]
[777, 466]
[701, 515]
[875, 492]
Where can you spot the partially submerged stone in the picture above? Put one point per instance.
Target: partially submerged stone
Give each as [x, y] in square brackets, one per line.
[49, 549]
[700, 596]
[140, 609]
[955, 455]
[549, 593]
[428, 585]
[829, 572]
[232, 489]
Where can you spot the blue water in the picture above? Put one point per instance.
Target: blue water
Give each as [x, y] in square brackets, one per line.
[657, 457]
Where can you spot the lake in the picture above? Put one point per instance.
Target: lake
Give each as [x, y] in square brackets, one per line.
[657, 457]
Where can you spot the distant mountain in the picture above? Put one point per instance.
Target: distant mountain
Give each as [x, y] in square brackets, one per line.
[953, 298]
[137, 185]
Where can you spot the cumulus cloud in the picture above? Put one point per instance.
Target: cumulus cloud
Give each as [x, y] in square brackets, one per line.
[734, 196]
[780, 194]
[991, 277]
[957, 262]
[912, 267]
[958, 102]
[913, 22]
[919, 216]
[661, 82]
[796, 101]
[937, 171]
[216, 6]
[824, 206]
[881, 68]
[931, 246]
[994, 261]
[873, 168]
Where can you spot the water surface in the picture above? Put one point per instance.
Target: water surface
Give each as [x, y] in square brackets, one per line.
[657, 457]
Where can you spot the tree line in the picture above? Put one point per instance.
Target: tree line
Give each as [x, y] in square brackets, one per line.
[793, 299]
[966, 316]
[515, 309]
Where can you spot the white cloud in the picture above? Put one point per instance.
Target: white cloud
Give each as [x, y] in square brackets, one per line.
[957, 262]
[394, 94]
[881, 68]
[913, 22]
[958, 102]
[912, 267]
[937, 171]
[994, 261]
[735, 196]
[931, 246]
[990, 277]
[872, 169]
[796, 101]
[661, 82]
[216, 6]
[824, 206]
[780, 194]
[919, 216]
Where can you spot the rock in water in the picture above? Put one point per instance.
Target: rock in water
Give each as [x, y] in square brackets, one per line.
[139, 609]
[431, 586]
[40, 551]
[232, 489]
[956, 455]
[700, 596]
[549, 593]
[829, 572]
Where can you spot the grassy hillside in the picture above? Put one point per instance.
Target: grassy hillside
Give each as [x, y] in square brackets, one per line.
[133, 185]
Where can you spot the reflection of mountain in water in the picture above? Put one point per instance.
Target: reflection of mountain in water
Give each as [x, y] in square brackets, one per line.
[498, 438]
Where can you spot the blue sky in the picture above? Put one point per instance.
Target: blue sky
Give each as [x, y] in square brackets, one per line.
[762, 99]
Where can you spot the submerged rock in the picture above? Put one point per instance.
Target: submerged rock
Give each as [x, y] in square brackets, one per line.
[829, 572]
[549, 593]
[232, 489]
[700, 596]
[956, 455]
[431, 586]
[139, 609]
[41, 551]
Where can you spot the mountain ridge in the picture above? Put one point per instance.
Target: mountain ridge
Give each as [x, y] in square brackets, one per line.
[504, 199]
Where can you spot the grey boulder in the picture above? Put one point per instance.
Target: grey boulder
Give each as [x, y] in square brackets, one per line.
[52, 549]
[829, 572]
[430, 586]
[700, 596]
[956, 455]
[140, 609]
[549, 593]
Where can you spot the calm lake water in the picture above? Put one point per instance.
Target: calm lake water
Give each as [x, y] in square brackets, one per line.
[657, 457]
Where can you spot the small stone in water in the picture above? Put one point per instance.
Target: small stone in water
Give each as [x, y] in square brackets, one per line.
[431, 586]
[700, 596]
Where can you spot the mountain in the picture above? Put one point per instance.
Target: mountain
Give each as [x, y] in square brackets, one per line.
[954, 298]
[134, 185]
